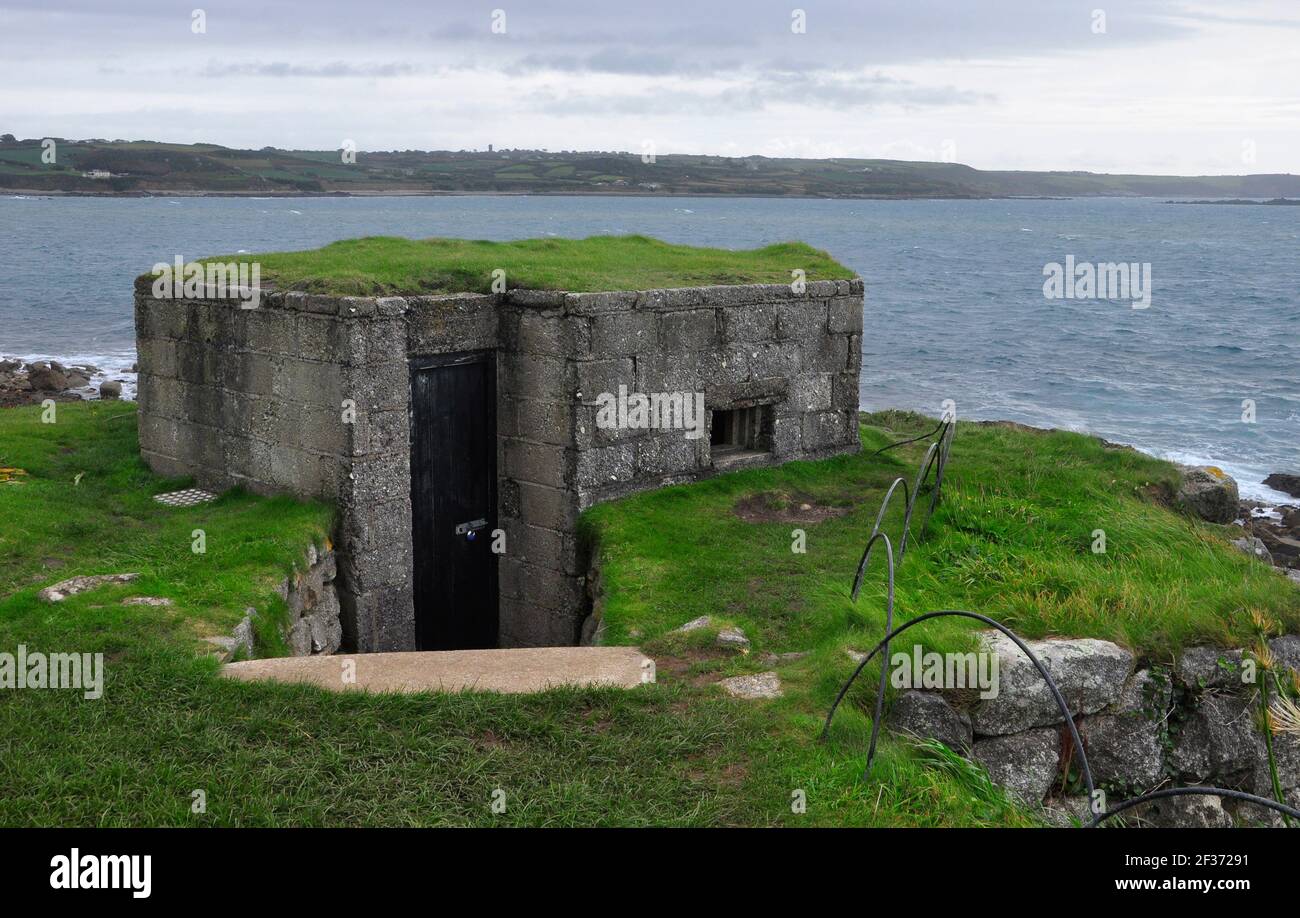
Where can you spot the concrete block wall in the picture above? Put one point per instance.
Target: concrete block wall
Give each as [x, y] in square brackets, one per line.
[739, 345]
[259, 397]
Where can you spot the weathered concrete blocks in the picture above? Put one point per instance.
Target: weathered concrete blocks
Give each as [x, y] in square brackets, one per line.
[844, 391]
[532, 376]
[667, 453]
[539, 463]
[624, 333]
[802, 320]
[551, 508]
[310, 394]
[768, 361]
[845, 315]
[662, 373]
[595, 377]
[810, 393]
[749, 323]
[547, 333]
[687, 330]
[827, 354]
[604, 466]
[540, 420]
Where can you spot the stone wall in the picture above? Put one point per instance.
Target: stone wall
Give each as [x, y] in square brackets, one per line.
[259, 398]
[310, 395]
[1143, 727]
[740, 345]
[314, 626]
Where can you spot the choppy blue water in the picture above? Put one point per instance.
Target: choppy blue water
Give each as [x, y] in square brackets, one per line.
[955, 304]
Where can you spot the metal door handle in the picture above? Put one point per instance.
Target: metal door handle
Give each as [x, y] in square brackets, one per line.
[473, 526]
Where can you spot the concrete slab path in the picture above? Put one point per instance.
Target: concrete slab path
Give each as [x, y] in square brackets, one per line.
[511, 671]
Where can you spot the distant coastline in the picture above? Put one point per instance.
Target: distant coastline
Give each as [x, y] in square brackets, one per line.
[399, 193]
[1275, 202]
[103, 168]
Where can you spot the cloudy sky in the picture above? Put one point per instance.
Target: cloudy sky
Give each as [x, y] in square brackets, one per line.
[1172, 86]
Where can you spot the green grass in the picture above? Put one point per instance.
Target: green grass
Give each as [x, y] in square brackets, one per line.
[1010, 539]
[391, 265]
[86, 506]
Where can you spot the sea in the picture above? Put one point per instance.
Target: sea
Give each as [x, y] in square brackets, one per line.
[1202, 369]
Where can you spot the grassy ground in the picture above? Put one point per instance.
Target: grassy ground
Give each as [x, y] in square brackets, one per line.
[388, 264]
[1011, 539]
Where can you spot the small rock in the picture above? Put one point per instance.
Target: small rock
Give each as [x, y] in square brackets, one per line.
[734, 638]
[1191, 811]
[1200, 668]
[243, 634]
[74, 585]
[225, 647]
[1287, 484]
[146, 601]
[77, 380]
[593, 631]
[110, 388]
[1125, 745]
[1124, 750]
[1210, 493]
[326, 630]
[299, 639]
[1068, 812]
[696, 624]
[928, 716]
[1145, 692]
[1089, 673]
[1253, 546]
[1218, 740]
[1024, 764]
[759, 685]
[1286, 649]
[47, 377]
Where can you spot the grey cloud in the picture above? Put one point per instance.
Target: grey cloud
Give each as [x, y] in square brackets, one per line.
[759, 93]
[283, 69]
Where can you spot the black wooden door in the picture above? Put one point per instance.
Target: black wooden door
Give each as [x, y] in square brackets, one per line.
[453, 500]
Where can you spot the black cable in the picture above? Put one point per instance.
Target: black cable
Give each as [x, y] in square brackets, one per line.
[1203, 790]
[938, 452]
[911, 439]
[961, 613]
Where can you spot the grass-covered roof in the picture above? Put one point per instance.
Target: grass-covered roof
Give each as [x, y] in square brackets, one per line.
[377, 265]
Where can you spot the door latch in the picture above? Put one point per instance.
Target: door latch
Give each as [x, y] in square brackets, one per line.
[470, 530]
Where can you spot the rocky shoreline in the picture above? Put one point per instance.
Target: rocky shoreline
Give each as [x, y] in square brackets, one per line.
[32, 382]
[1270, 533]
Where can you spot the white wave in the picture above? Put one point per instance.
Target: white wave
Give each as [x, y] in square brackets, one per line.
[1250, 481]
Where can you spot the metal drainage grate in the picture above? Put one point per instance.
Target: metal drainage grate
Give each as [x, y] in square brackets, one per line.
[188, 498]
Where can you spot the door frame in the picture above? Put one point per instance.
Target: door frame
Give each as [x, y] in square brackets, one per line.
[416, 364]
